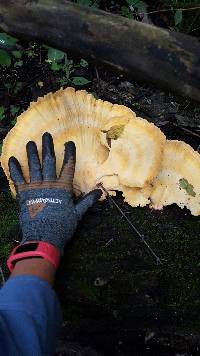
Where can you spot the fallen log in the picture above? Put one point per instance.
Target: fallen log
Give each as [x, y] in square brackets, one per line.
[165, 58]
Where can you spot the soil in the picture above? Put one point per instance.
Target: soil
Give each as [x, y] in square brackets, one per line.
[116, 300]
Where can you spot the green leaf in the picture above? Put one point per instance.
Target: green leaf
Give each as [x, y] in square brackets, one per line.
[63, 81]
[55, 55]
[14, 110]
[95, 3]
[8, 85]
[68, 67]
[5, 59]
[17, 54]
[178, 17]
[55, 66]
[7, 40]
[31, 53]
[67, 72]
[83, 63]
[13, 122]
[1, 145]
[2, 113]
[80, 81]
[184, 184]
[18, 64]
[115, 132]
[138, 4]
[126, 12]
[17, 88]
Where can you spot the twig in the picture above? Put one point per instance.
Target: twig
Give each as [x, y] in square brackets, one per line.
[98, 79]
[192, 22]
[40, 56]
[158, 260]
[187, 130]
[108, 242]
[194, 29]
[167, 10]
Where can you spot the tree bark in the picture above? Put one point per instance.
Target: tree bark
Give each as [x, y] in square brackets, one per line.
[148, 53]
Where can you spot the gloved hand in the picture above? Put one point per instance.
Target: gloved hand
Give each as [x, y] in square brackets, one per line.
[47, 210]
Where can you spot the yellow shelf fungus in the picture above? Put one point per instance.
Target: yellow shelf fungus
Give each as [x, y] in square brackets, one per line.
[114, 147]
[179, 178]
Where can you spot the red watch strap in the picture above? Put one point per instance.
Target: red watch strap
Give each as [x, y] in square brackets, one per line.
[34, 249]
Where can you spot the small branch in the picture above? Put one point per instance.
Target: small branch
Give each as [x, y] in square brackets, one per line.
[98, 79]
[141, 236]
[169, 10]
[194, 29]
[187, 130]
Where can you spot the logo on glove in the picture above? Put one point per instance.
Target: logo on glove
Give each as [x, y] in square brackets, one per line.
[35, 206]
[43, 200]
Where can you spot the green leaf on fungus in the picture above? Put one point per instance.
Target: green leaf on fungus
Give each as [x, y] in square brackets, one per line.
[115, 132]
[184, 184]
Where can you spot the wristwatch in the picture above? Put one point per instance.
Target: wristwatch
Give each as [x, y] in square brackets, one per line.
[34, 249]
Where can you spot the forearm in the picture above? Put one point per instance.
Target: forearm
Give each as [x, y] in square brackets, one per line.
[29, 311]
[35, 267]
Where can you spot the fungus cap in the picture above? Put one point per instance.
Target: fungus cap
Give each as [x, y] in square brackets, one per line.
[67, 115]
[179, 178]
[136, 154]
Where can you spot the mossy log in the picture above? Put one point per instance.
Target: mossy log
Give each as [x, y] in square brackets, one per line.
[151, 54]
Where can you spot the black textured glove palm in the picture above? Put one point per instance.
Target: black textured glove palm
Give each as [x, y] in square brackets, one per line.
[47, 210]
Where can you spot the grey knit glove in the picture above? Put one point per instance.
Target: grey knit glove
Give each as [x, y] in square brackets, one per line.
[47, 210]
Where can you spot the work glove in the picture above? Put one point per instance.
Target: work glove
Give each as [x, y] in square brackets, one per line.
[47, 210]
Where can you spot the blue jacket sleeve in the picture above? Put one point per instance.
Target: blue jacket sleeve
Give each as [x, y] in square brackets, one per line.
[30, 317]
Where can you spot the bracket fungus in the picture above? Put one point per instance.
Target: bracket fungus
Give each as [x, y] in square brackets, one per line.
[179, 178]
[114, 147]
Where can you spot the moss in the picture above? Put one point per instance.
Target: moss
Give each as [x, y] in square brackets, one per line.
[8, 218]
[88, 291]
[134, 284]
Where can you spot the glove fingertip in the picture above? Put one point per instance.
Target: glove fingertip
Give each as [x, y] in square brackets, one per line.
[13, 163]
[87, 201]
[96, 193]
[15, 170]
[70, 152]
